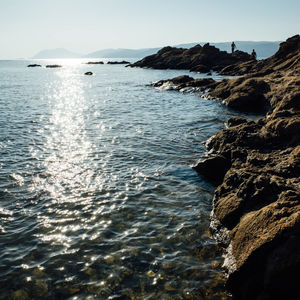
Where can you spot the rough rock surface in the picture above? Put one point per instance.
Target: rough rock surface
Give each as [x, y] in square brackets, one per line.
[256, 213]
[198, 59]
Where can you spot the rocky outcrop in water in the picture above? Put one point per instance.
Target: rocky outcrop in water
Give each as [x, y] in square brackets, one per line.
[123, 62]
[95, 63]
[197, 59]
[53, 66]
[33, 66]
[256, 212]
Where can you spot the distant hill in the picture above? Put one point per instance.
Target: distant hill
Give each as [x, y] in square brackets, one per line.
[126, 53]
[56, 53]
[263, 50]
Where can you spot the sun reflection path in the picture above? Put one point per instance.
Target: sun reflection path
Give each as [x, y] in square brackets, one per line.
[68, 178]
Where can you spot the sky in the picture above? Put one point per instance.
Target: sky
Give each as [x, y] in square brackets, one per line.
[84, 26]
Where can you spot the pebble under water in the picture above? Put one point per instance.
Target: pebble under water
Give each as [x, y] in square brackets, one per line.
[98, 197]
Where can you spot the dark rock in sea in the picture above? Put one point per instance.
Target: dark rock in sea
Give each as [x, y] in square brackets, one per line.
[33, 66]
[95, 63]
[123, 62]
[53, 66]
[184, 83]
[198, 59]
[256, 209]
[213, 168]
[88, 73]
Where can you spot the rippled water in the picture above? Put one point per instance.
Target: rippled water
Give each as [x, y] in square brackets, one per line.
[98, 199]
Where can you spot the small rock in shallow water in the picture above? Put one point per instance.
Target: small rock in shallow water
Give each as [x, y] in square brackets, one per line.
[33, 66]
[53, 66]
[88, 73]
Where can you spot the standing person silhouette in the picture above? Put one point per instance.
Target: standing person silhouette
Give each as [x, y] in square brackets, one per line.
[253, 54]
[233, 47]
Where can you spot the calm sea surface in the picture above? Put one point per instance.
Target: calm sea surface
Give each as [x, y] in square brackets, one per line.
[98, 199]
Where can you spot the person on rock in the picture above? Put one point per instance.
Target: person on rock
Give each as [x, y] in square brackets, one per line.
[253, 54]
[233, 47]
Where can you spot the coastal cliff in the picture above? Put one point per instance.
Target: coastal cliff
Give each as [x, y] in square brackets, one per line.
[256, 167]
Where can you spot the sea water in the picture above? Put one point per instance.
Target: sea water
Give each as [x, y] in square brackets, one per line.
[98, 199]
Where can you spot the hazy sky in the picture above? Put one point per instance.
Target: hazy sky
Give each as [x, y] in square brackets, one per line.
[83, 26]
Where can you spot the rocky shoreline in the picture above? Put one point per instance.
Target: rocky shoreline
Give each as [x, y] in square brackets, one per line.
[202, 59]
[256, 167]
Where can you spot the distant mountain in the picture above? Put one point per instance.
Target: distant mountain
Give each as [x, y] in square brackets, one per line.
[56, 53]
[120, 53]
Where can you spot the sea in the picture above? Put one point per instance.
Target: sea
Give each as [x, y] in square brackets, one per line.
[98, 198]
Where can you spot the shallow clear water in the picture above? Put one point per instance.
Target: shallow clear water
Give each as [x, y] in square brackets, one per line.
[98, 197]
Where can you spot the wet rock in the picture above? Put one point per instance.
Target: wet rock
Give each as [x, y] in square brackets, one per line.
[213, 168]
[184, 83]
[33, 66]
[88, 73]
